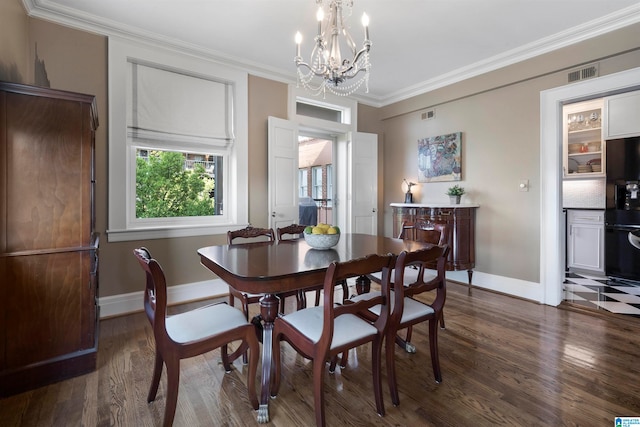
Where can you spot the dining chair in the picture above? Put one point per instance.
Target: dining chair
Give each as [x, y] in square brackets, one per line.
[291, 232]
[320, 333]
[426, 232]
[407, 311]
[191, 333]
[247, 234]
[295, 231]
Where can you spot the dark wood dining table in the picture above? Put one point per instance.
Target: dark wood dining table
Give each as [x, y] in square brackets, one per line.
[270, 268]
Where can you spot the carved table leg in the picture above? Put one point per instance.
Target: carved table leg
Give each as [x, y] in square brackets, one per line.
[363, 285]
[269, 312]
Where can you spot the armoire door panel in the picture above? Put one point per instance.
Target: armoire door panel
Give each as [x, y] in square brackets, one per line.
[45, 317]
[46, 188]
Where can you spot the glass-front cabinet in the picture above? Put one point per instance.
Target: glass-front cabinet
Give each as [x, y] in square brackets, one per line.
[583, 142]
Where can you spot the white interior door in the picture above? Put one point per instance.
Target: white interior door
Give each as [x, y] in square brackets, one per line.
[283, 172]
[363, 179]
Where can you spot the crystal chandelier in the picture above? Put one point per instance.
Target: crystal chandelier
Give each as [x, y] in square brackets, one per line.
[327, 70]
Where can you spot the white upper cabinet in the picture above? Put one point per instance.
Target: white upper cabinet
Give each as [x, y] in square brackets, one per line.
[583, 144]
[622, 115]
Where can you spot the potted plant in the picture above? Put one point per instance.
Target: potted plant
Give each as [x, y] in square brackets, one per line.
[455, 193]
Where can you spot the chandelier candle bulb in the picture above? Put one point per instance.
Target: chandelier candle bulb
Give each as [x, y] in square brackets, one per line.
[365, 23]
[320, 17]
[298, 41]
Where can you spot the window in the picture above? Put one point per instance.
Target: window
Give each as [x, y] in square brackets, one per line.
[175, 184]
[178, 144]
[318, 112]
[316, 182]
[329, 186]
[303, 181]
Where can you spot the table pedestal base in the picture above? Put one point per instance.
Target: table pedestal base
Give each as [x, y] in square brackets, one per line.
[269, 312]
[263, 414]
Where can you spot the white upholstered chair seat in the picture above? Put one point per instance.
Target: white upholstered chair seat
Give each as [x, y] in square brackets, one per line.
[347, 328]
[206, 321]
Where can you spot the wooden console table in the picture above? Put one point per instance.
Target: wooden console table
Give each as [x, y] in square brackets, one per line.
[461, 221]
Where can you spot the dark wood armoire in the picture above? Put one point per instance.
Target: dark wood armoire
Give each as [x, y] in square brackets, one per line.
[48, 244]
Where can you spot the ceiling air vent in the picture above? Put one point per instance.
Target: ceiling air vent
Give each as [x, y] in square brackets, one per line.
[588, 72]
[428, 115]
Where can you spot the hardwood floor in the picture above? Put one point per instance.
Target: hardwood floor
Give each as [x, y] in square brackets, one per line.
[505, 361]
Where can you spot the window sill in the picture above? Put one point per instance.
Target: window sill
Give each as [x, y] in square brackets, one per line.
[168, 232]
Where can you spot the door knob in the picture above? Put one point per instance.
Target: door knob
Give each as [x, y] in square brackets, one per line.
[273, 214]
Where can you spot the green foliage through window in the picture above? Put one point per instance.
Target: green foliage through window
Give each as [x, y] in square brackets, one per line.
[166, 188]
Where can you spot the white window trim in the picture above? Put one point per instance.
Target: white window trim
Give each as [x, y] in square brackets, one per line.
[348, 106]
[303, 177]
[120, 172]
[314, 182]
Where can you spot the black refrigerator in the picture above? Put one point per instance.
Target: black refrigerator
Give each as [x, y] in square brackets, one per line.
[622, 215]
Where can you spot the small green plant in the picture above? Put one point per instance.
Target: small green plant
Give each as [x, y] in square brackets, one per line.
[456, 190]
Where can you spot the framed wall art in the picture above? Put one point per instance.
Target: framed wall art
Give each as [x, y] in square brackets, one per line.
[440, 158]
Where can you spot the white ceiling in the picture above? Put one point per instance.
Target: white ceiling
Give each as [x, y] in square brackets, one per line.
[418, 45]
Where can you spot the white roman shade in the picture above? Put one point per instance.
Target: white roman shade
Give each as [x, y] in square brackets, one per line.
[166, 105]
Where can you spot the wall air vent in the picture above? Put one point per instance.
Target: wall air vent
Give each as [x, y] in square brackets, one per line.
[587, 72]
[428, 115]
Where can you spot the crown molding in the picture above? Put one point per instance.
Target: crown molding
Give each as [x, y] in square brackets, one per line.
[588, 30]
[47, 10]
[50, 11]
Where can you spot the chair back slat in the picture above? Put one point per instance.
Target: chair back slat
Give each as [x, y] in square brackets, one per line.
[250, 232]
[425, 231]
[293, 231]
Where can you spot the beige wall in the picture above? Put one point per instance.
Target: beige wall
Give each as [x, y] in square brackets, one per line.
[14, 36]
[266, 98]
[498, 114]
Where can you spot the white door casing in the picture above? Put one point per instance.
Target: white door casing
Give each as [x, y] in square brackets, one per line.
[551, 237]
[283, 172]
[356, 176]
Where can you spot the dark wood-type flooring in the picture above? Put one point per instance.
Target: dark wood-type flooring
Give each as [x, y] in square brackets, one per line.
[505, 361]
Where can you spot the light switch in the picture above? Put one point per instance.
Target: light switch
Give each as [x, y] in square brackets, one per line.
[524, 185]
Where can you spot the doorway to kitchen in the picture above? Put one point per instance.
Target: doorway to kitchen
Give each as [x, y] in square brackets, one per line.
[552, 229]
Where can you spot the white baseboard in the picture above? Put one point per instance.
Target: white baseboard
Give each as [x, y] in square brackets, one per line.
[506, 285]
[118, 305]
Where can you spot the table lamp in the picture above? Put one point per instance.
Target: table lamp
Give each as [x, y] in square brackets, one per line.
[408, 197]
